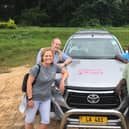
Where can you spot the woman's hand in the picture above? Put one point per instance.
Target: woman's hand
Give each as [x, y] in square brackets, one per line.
[30, 103]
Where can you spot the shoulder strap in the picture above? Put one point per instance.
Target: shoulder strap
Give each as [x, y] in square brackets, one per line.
[37, 73]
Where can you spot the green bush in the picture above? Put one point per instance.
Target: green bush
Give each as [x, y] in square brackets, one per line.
[3, 24]
[92, 22]
[9, 24]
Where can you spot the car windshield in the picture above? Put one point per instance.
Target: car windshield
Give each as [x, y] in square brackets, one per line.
[92, 48]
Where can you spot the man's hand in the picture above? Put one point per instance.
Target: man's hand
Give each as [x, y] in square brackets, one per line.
[121, 83]
[62, 65]
[118, 89]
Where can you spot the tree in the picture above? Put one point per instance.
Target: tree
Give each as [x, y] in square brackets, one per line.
[66, 12]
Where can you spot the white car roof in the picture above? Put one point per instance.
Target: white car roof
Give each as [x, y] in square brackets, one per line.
[92, 34]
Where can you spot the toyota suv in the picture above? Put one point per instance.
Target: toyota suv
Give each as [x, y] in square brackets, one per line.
[93, 75]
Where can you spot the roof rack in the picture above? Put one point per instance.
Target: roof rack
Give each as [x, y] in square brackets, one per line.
[92, 32]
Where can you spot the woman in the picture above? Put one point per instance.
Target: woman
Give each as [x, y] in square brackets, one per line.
[39, 96]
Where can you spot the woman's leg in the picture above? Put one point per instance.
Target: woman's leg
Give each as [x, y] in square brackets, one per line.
[45, 114]
[30, 115]
[43, 126]
[28, 126]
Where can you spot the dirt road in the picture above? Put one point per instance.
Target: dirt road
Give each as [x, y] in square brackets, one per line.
[10, 96]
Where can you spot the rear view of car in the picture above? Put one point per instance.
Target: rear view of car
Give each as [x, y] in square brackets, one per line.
[93, 76]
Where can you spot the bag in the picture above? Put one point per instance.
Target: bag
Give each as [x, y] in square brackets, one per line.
[24, 83]
[55, 89]
[23, 104]
[58, 97]
[55, 92]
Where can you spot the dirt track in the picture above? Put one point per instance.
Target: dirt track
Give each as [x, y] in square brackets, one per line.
[10, 96]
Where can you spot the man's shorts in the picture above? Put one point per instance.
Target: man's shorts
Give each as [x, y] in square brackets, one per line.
[44, 109]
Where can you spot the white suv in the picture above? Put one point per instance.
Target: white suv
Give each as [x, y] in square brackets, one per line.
[93, 76]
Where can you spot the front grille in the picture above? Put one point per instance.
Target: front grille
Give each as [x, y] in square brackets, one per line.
[78, 99]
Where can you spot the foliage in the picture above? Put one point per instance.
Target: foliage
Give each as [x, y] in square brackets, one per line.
[33, 17]
[9, 24]
[66, 12]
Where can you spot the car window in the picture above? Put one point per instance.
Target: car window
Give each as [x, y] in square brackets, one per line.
[92, 48]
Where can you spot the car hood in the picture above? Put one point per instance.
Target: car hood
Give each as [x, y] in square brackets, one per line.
[97, 73]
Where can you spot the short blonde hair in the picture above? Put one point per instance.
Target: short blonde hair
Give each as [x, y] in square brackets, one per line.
[44, 50]
[53, 40]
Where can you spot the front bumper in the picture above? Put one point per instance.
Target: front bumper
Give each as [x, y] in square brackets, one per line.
[67, 122]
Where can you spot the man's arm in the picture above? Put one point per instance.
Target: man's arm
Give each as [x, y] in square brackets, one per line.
[118, 57]
[121, 83]
[67, 61]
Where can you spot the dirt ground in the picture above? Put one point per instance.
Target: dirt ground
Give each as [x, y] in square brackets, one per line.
[10, 96]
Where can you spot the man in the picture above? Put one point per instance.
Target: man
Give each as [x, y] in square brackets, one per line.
[124, 81]
[59, 57]
[123, 57]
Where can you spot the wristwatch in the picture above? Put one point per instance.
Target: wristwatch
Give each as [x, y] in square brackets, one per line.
[65, 64]
[29, 99]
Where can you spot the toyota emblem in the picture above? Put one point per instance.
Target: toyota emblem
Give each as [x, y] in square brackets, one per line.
[93, 98]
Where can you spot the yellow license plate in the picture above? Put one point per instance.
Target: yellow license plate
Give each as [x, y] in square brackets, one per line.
[93, 119]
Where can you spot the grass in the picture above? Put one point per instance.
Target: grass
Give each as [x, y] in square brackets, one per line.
[20, 46]
[122, 33]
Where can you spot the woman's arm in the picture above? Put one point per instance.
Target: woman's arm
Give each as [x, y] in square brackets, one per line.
[64, 73]
[29, 90]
